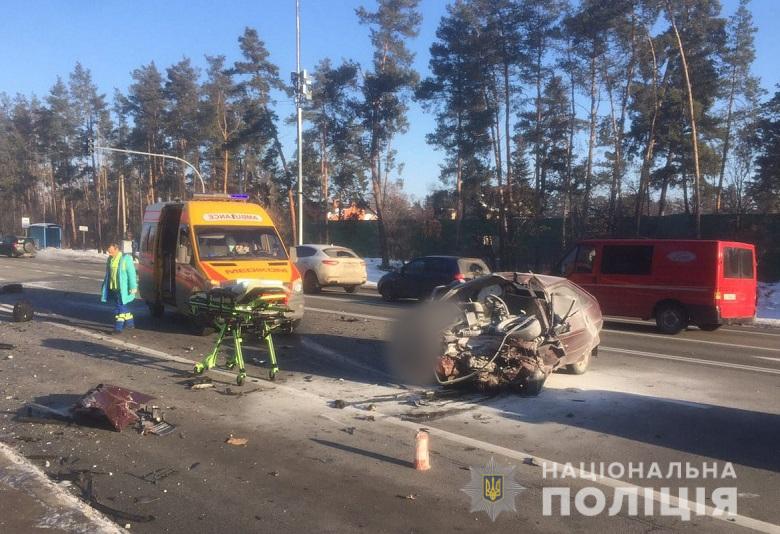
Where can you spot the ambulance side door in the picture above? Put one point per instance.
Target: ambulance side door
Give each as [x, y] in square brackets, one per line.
[188, 278]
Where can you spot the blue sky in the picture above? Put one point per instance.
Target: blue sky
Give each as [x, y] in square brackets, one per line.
[40, 40]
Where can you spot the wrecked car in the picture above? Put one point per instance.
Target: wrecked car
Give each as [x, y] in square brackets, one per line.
[514, 329]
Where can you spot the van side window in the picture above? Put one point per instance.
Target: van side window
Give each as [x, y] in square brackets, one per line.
[184, 239]
[627, 259]
[566, 266]
[737, 263]
[144, 243]
[585, 256]
[151, 238]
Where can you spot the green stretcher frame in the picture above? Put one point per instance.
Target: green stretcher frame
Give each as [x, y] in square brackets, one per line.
[233, 320]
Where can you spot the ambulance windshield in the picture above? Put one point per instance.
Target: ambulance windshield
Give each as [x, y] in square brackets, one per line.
[239, 243]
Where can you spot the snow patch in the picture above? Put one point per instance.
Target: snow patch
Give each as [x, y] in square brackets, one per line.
[70, 254]
[768, 311]
[374, 272]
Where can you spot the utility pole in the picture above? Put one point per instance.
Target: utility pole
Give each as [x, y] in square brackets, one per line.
[302, 85]
[299, 86]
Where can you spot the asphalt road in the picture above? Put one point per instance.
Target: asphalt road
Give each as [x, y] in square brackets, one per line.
[698, 397]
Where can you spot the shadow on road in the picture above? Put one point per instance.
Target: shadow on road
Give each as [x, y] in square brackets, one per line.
[119, 355]
[362, 452]
[740, 436]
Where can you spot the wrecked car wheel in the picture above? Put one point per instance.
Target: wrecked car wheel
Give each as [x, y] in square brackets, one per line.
[671, 318]
[581, 366]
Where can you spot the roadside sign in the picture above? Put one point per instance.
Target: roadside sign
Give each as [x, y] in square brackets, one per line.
[25, 223]
[83, 229]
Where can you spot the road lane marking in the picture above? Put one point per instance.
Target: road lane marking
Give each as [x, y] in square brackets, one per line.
[771, 359]
[518, 455]
[704, 341]
[345, 299]
[393, 319]
[688, 359]
[350, 314]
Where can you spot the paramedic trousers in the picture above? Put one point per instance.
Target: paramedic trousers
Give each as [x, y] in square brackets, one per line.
[122, 316]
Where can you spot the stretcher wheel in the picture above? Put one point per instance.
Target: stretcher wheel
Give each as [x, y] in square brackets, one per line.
[272, 375]
[240, 379]
[199, 368]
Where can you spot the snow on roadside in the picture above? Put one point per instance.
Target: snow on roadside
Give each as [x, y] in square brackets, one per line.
[70, 254]
[768, 312]
[374, 272]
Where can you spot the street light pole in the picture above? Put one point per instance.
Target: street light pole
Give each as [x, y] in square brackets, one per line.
[166, 156]
[299, 112]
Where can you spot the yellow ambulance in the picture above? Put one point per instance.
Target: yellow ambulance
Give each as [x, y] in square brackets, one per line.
[211, 241]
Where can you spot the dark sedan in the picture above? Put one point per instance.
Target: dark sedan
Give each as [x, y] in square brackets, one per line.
[17, 246]
[418, 278]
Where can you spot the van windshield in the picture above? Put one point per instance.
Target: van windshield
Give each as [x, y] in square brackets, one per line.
[239, 243]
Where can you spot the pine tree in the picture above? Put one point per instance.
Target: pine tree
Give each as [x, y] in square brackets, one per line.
[739, 55]
[385, 90]
[455, 92]
[182, 118]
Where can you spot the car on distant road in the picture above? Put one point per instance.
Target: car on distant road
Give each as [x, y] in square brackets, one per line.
[17, 246]
[329, 266]
[419, 277]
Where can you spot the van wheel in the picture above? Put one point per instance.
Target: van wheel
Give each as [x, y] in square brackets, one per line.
[156, 309]
[671, 318]
[581, 366]
[350, 289]
[310, 283]
[709, 327]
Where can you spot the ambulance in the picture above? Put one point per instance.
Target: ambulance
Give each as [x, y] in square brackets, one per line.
[207, 242]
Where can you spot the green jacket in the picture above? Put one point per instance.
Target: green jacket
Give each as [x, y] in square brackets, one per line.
[127, 279]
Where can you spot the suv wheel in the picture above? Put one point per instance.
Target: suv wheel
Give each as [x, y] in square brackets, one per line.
[310, 283]
[387, 294]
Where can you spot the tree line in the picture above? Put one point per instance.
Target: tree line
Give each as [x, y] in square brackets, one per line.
[592, 111]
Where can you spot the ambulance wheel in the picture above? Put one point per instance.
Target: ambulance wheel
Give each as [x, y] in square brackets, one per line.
[156, 309]
[287, 329]
[202, 328]
[671, 318]
[310, 283]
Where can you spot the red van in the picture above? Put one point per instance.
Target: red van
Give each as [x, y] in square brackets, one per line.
[677, 282]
